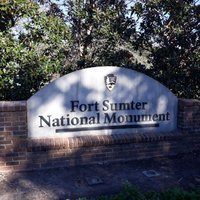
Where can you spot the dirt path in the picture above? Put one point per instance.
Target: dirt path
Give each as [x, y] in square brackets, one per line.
[102, 179]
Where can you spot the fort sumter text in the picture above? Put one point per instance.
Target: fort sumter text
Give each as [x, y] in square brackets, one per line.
[106, 113]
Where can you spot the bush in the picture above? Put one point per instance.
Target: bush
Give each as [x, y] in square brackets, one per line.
[130, 192]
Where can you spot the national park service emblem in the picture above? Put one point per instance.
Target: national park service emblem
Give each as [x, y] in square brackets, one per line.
[110, 81]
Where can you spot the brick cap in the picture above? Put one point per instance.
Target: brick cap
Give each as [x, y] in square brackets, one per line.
[188, 102]
[100, 140]
[12, 106]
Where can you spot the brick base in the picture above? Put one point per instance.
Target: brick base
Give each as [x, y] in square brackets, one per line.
[18, 152]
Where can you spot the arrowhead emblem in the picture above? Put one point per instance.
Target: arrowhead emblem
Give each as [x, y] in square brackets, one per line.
[110, 81]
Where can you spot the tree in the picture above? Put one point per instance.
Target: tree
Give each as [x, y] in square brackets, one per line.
[52, 42]
[30, 57]
[170, 31]
[38, 43]
[99, 29]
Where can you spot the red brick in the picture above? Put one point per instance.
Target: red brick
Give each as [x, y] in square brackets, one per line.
[2, 138]
[12, 163]
[28, 164]
[5, 142]
[20, 158]
[6, 168]
[18, 132]
[2, 146]
[5, 133]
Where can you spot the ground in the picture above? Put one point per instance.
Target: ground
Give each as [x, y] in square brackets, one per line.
[102, 179]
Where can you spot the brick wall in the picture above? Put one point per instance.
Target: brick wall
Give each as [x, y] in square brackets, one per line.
[13, 134]
[189, 115]
[18, 152]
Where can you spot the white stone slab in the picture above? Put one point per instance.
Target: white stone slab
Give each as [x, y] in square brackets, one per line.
[81, 103]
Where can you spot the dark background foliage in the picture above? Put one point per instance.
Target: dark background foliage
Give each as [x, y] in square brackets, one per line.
[41, 40]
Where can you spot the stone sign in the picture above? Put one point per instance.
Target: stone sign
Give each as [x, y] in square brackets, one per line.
[101, 100]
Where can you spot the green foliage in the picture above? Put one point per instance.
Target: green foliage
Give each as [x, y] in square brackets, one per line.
[30, 58]
[12, 11]
[170, 31]
[130, 192]
[99, 29]
[180, 194]
[36, 44]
